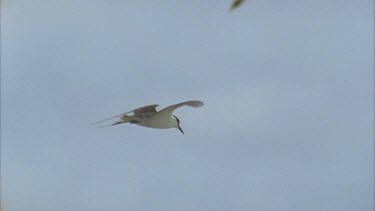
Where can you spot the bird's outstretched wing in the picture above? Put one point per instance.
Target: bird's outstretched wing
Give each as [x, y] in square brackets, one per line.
[170, 109]
[141, 112]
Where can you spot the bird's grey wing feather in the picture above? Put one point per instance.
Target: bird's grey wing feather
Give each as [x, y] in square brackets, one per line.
[138, 112]
[145, 111]
[192, 103]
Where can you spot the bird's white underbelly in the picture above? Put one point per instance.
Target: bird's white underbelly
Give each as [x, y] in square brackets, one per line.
[160, 123]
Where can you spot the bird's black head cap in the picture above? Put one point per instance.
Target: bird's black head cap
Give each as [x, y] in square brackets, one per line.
[178, 124]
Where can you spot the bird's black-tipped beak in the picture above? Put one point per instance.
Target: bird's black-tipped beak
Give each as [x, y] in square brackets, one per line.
[181, 129]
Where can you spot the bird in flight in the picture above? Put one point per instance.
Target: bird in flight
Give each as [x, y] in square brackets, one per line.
[147, 116]
[235, 4]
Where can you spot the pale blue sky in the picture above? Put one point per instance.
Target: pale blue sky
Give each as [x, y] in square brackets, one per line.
[287, 123]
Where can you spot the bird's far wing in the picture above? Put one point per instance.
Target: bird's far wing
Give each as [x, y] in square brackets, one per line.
[145, 111]
[235, 4]
[170, 109]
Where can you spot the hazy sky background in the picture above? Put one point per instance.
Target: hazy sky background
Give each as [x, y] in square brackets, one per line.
[287, 123]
